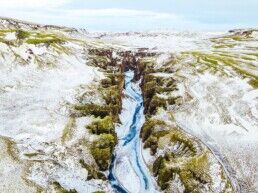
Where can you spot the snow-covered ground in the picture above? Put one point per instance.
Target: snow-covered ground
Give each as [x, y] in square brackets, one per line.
[216, 80]
[38, 86]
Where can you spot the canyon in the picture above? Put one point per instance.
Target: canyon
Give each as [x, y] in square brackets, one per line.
[94, 112]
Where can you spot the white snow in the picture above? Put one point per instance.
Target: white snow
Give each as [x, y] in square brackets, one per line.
[11, 36]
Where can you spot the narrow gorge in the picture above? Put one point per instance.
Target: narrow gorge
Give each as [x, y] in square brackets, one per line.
[134, 112]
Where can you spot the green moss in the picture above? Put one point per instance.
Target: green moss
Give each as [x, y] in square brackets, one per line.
[252, 54]
[47, 39]
[97, 110]
[30, 155]
[112, 95]
[172, 100]
[177, 136]
[21, 35]
[102, 150]
[61, 189]
[248, 58]
[152, 143]
[61, 49]
[150, 89]
[158, 164]
[11, 149]
[102, 126]
[44, 41]
[225, 45]
[7, 42]
[235, 37]
[155, 103]
[148, 128]
[188, 181]
[4, 31]
[67, 132]
[153, 85]
[105, 83]
[105, 141]
[164, 177]
[254, 83]
[215, 60]
[199, 166]
[99, 192]
[146, 65]
[195, 172]
[92, 172]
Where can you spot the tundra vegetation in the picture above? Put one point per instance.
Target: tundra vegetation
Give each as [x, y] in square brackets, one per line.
[46, 48]
[179, 156]
[107, 114]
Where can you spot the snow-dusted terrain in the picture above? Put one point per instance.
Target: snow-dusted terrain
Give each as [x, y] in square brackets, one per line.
[46, 71]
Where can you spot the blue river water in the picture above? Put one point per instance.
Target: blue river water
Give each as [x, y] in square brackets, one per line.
[131, 143]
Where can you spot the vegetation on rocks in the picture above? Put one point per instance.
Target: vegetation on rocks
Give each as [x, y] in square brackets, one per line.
[102, 149]
[61, 189]
[106, 115]
[148, 128]
[44, 41]
[21, 35]
[93, 173]
[99, 192]
[154, 85]
[67, 132]
[102, 126]
[97, 110]
[185, 159]
[193, 172]
[103, 58]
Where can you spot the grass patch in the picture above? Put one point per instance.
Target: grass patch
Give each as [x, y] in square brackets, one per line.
[67, 132]
[21, 35]
[45, 41]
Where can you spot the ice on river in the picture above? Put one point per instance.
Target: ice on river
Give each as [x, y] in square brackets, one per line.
[130, 172]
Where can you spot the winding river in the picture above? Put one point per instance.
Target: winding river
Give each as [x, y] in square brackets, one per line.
[128, 172]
